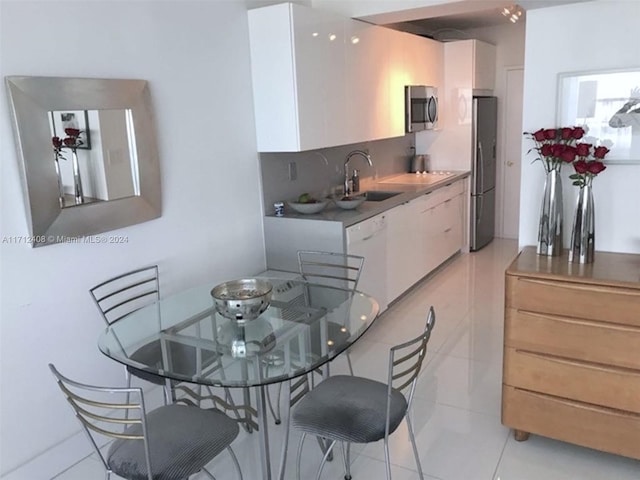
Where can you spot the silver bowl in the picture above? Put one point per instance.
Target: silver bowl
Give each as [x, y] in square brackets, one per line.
[242, 300]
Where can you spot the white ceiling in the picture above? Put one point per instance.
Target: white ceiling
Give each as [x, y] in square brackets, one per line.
[458, 15]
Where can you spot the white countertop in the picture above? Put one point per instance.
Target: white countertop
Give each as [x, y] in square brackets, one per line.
[410, 185]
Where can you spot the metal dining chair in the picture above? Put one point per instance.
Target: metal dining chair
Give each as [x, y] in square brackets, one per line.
[171, 442]
[124, 294]
[351, 409]
[326, 269]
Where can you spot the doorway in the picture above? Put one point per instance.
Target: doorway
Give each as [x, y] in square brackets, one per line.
[509, 215]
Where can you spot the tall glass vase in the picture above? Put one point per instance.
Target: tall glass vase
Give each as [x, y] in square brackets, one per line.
[582, 247]
[60, 187]
[77, 180]
[550, 228]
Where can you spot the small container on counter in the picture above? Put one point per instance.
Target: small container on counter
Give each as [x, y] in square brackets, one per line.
[279, 209]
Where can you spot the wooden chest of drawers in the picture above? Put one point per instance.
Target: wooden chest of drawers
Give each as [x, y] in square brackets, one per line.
[572, 350]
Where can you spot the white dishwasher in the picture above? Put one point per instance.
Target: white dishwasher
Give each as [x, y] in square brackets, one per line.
[369, 240]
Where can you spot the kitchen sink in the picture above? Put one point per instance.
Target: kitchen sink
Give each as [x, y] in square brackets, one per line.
[376, 196]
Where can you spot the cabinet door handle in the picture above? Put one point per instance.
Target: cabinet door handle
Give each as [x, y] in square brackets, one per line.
[447, 230]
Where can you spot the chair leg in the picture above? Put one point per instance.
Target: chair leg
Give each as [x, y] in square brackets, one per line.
[208, 473]
[324, 459]
[287, 426]
[277, 418]
[235, 462]
[299, 456]
[387, 460]
[346, 455]
[349, 362]
[415, 447]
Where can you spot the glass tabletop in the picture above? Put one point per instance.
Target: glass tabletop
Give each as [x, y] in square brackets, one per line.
[184, 338]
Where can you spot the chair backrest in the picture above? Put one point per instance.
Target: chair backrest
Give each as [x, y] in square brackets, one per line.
[328, 268]
[405, 362]
[126, 293]
[107, 412]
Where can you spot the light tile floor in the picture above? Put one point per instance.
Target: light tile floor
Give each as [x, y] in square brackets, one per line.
[457, 404]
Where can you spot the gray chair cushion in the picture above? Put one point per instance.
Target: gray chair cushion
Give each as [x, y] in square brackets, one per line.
[182, 440]
[349, 409]
[183, 358]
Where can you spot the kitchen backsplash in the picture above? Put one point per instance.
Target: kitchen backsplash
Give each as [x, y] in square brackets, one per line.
[287, 175]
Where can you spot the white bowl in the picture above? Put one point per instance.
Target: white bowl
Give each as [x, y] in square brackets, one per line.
[349, 203]
[308, 208]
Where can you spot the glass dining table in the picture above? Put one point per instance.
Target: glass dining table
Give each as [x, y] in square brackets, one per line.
[185, 340]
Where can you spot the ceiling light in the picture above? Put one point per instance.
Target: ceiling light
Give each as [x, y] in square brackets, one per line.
[513, 13]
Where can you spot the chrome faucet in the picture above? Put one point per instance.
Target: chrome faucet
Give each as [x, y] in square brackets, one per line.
[363, 154]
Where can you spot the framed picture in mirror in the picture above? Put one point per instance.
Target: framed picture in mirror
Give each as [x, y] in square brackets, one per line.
[607, 103]
[78, 119]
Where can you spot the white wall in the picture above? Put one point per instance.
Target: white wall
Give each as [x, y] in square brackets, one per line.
[196, 57]
[589, 36]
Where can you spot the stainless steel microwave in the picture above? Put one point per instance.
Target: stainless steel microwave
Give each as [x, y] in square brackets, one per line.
[421, 108]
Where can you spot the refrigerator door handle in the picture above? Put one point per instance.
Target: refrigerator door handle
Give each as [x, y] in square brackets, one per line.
[480, 166]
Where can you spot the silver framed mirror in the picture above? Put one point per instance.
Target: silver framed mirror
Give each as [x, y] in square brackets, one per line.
[88, 155]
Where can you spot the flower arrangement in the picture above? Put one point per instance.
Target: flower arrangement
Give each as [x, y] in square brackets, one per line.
[71, 141]
[556, 146]
[589, 163]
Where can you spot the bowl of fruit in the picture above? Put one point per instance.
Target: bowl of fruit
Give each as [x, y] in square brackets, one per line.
[349, 202]
[307, 204]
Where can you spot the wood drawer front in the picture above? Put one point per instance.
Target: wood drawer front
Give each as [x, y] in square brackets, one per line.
[600, 428]
[580, 300]
[608, 344]
[596, 384]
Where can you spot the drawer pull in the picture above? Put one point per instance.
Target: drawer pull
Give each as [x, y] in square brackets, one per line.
[583, 322]
[581, 405]
[581, 364]
[585, 288]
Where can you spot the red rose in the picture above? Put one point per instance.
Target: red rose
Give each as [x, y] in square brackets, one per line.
[57, 143]
[539, 135]
[550, 133]
[577, 133]
[557, 149]
[69, 142]
[72, 132]
[580, 166]
[569, 154]
[566, 133]
[600, 152]
[596, 167]
[545, 150]
[582, 149]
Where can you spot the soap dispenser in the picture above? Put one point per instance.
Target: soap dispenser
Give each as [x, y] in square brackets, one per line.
[355, 181]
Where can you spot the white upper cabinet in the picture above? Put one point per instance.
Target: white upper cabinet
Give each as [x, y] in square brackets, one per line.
[471, 64]
[484, 65]
[321, 80]
[424, 59]
[367, 102]
[298, 73]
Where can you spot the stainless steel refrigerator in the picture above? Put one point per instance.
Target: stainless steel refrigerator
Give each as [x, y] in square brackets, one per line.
[483, 171]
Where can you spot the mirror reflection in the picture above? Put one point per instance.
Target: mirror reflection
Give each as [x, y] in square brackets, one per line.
[607, 103]
[94, 154]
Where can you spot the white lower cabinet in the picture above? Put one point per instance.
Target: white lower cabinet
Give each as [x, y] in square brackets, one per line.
[421, 235]
[400, 246]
